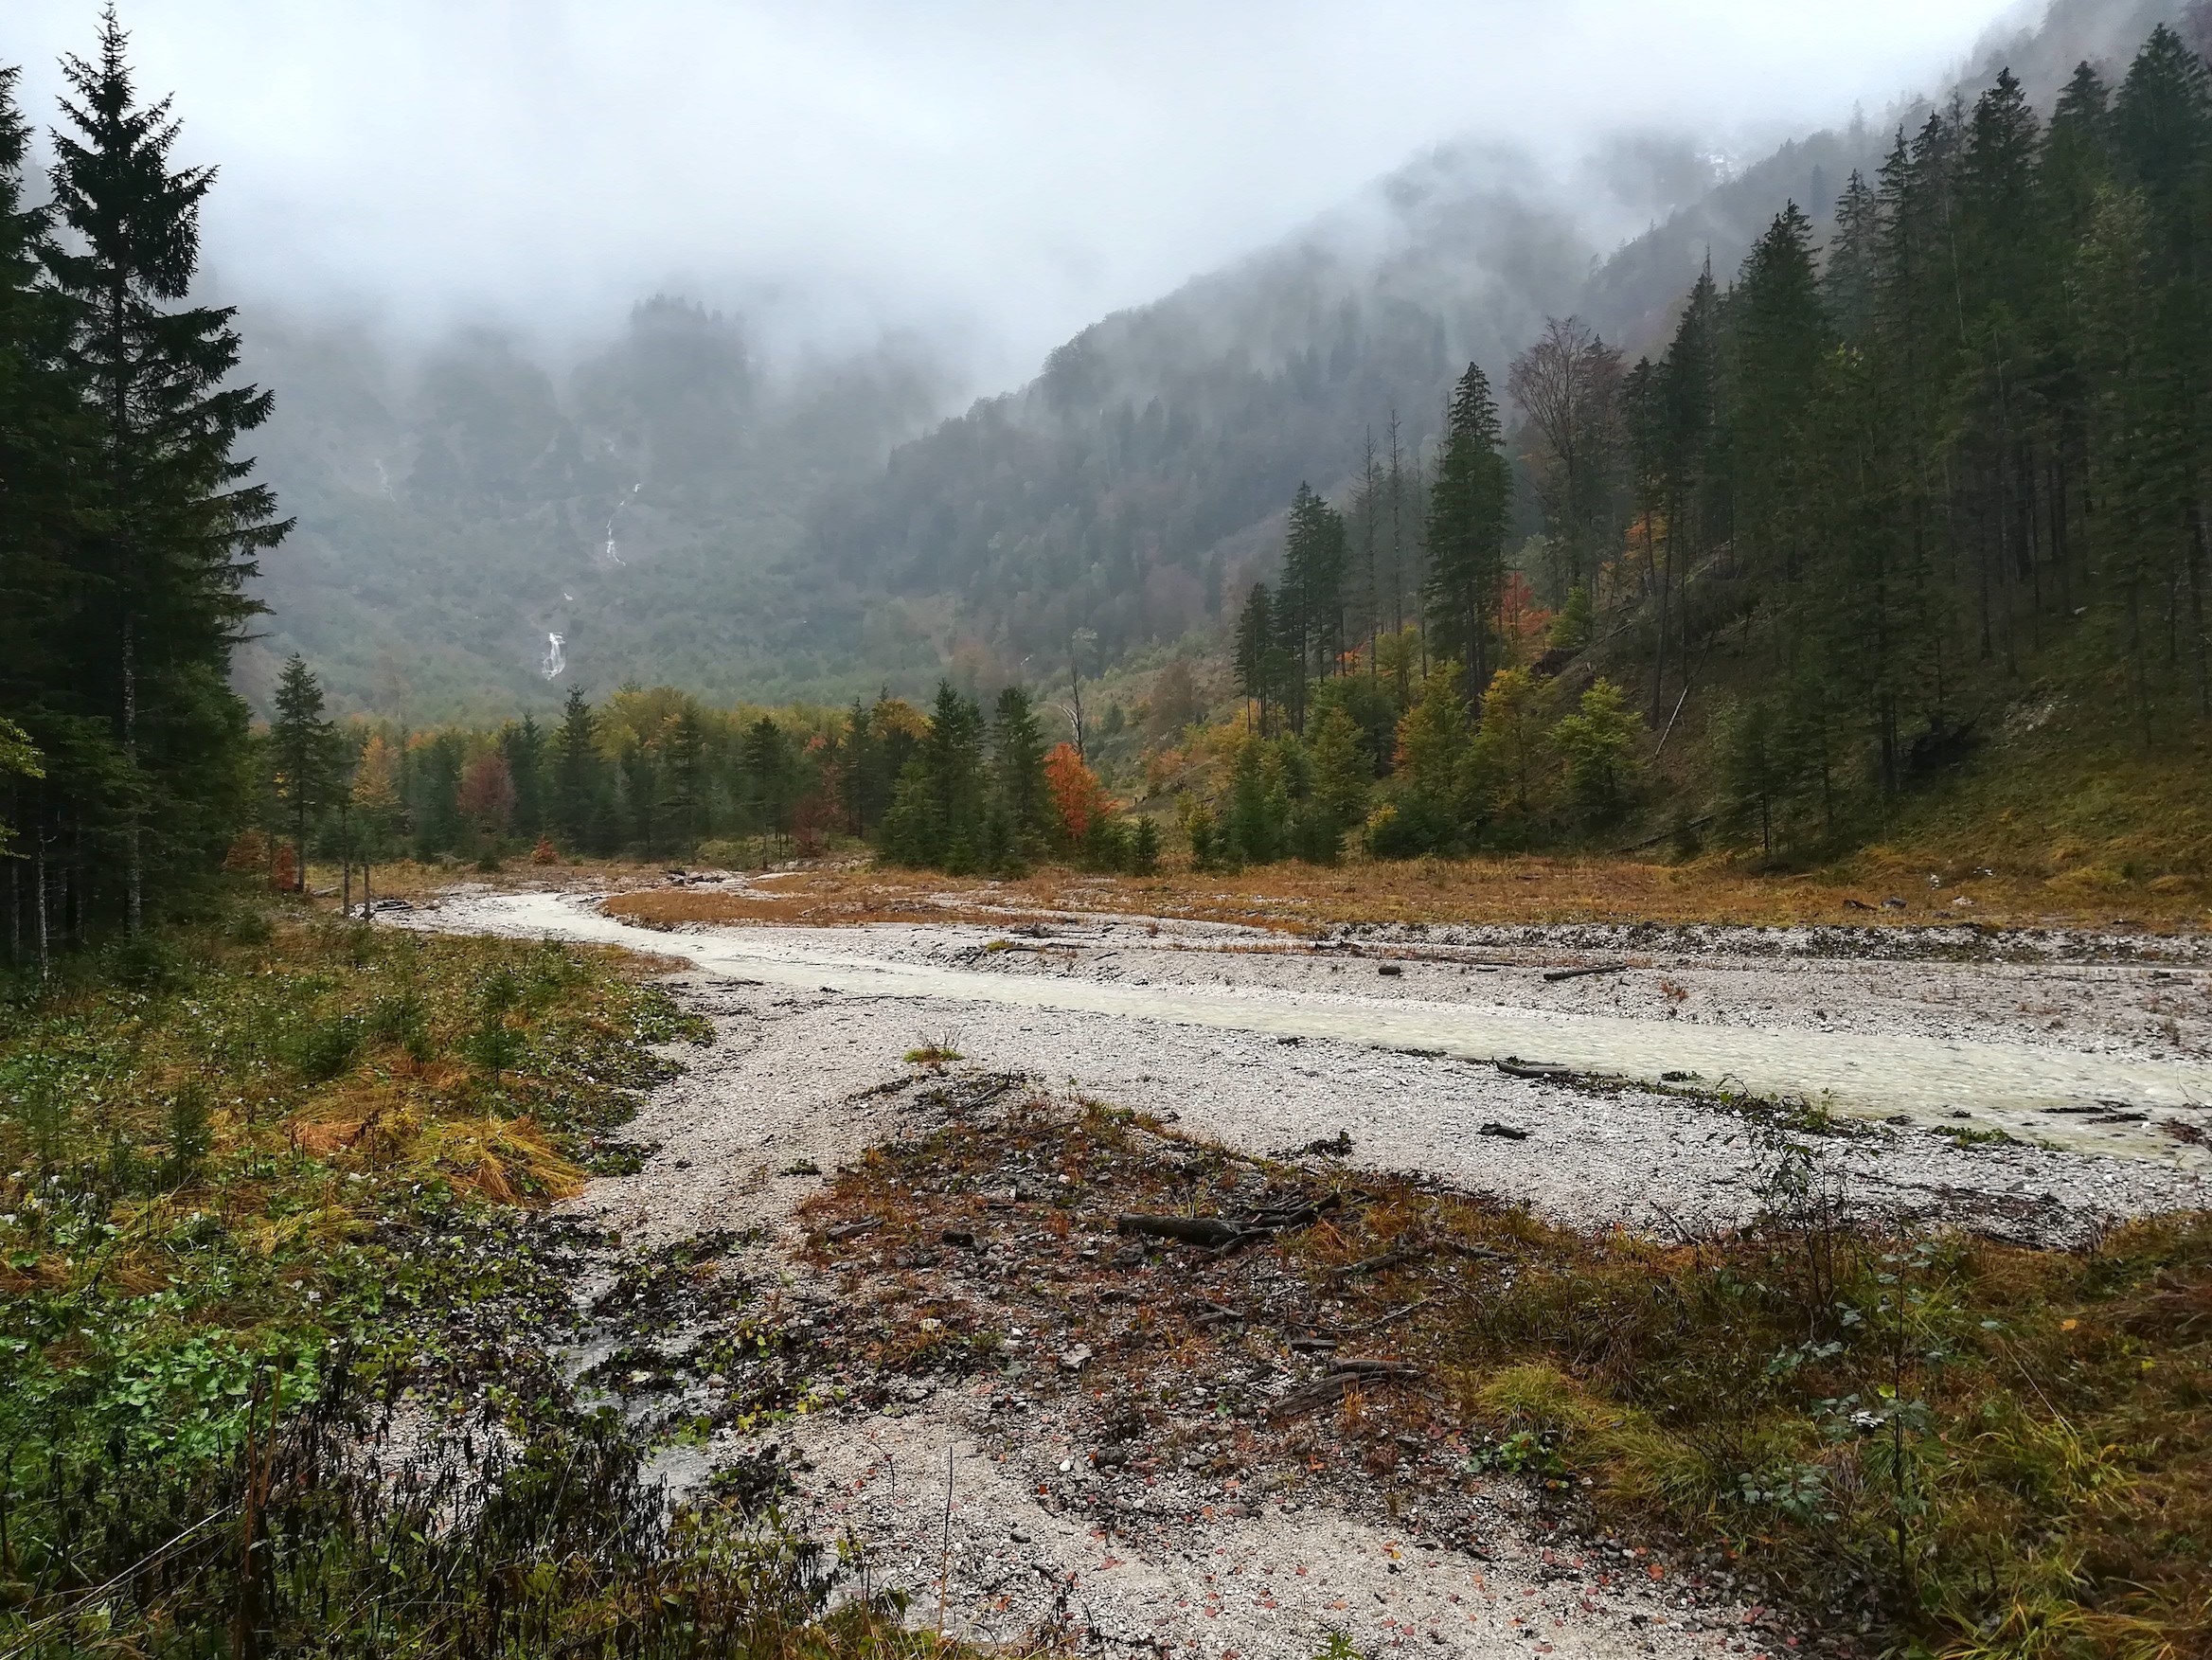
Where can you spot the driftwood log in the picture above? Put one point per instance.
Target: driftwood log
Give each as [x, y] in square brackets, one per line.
[1513, 1066]
[1210, 1232]
[1221, 1233]
[1344, 1374]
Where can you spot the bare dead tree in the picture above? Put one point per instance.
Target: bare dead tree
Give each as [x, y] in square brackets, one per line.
[1569, 385]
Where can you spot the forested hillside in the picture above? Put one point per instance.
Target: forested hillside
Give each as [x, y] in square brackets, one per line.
[676, 510]
[1142, 474]
[461, 506]
[1933, 486]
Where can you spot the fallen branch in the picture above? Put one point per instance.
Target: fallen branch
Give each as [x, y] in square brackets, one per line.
[1558, 974]
[1216, 1233]
[1376, 1368]
[1347, 1374]
[1513, 1066]
[1381, 1320]
[1398, 1256]
[1210, 1232]
[1282, 1218]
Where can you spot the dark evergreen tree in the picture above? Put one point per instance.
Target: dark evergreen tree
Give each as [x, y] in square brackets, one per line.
[1308, 602]
[685, 806]
[1253, 654]
[766, 765]
[1018, 801]
[1470, 508]
[1778, 336]
[638, 770]
[303, 748]
[433, 792]
[522, 745]
[46, 446]
[178, 526]
[575, 771]
[936, 815]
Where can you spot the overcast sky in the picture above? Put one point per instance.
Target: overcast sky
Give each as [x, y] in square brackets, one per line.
[1001, 172]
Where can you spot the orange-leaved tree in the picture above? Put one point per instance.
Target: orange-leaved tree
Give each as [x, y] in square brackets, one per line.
[487, 797]
[1076, 794]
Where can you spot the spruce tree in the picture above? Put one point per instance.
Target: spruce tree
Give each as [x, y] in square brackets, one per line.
[46, 448]
[1779, 334]
[1470, 504]
[685, 801]
[522, 745]
[1309, 607]
[1019, 801]
[303, 750]
[764, 759]
[1848, 276]
[179, 527]
[1253, 653]
[576, 766]
[937, 817]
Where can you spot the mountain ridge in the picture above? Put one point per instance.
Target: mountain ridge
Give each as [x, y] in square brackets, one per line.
[674, 512]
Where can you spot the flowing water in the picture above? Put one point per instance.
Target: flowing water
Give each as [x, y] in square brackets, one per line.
[2011, 1085]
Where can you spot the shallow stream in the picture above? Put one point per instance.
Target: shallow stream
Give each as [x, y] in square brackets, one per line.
[2052, 1094]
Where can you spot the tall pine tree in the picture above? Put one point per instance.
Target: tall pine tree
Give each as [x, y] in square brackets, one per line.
[1470, 507]
[179, 524]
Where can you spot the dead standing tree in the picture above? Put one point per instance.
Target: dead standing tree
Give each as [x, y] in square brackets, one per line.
[1569, 385]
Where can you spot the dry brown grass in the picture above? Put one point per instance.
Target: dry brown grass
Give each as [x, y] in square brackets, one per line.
[406, 880]
[1298, 899]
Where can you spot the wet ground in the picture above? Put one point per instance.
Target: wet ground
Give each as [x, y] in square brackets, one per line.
[2027, 1092]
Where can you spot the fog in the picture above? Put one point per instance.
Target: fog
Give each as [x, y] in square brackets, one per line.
[990, 173]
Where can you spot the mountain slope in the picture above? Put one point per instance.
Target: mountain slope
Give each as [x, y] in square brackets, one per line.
[459, 514]
[673, 511]
[1139, 480]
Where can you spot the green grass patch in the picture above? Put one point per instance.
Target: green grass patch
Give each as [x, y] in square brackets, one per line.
[1962, 1447]
[271, 1233]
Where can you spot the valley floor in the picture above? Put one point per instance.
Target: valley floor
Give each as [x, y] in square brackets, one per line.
[2032, 1088]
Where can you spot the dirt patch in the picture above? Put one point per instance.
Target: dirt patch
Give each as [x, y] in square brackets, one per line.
[1172, 1342]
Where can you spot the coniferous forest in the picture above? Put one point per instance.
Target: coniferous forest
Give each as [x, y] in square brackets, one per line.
[129, 524]
[1872, 495]
[1891, 487]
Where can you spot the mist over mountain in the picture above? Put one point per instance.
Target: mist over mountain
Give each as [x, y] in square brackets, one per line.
[476, 529]
[479, 529]
[1142, 475]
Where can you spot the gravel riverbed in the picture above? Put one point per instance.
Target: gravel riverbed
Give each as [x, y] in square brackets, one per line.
[1243, 1042]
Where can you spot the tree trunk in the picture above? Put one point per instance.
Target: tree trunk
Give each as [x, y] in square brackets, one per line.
[135, 870]
[45, 956]
[2197, 608]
